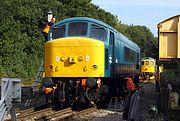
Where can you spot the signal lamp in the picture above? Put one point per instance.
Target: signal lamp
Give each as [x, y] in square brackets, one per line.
[94, 67]
[80, 58]
[63, 58]
[50, 67]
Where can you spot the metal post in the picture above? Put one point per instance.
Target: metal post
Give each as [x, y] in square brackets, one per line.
[10, 92]
[13, 114]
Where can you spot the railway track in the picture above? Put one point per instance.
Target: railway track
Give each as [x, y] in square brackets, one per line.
[58, 115]
[30, 114]
[67, 114]
[48, 114]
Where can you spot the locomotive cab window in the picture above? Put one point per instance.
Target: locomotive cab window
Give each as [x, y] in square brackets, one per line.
[146, 62]
[58, 32]
[98, 32]
[142, 62]
[151, 63]
[78, 29]
[111, 38]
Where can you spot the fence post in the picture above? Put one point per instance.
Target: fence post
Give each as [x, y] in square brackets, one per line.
[10, 92]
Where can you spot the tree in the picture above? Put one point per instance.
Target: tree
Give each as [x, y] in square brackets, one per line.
[21, 42]
[143, 37]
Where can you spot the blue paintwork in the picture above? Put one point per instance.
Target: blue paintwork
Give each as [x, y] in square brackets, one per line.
[120, 41]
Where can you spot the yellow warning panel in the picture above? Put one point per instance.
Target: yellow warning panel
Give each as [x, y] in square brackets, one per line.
[74, 57]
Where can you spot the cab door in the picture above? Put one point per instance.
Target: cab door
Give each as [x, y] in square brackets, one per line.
[109, 56]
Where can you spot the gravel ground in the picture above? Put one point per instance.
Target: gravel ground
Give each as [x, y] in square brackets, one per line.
[148, 94]
[106, 115]
[101, 115]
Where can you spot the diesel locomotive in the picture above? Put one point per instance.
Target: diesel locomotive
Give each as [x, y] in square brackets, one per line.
[148, 67]
[86, 60]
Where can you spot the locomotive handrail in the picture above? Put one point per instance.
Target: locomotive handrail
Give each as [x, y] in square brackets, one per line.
[10, 92]
[39, 75]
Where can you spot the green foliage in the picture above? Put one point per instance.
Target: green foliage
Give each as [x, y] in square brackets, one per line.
[171, 72]
[21, 42]
[143, 37]
[167, 75]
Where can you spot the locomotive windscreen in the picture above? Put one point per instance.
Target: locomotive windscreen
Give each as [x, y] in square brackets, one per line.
[58, 32]
[77, 29]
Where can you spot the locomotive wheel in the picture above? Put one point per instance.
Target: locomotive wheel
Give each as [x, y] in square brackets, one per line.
[91, 82]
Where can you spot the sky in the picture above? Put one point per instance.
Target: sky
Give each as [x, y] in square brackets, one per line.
[141, 12]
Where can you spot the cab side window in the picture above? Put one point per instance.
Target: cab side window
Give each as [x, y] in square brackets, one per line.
[111, 38]
[98, 32]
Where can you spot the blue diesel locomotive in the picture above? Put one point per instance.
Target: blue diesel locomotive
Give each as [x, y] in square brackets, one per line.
[86, 59]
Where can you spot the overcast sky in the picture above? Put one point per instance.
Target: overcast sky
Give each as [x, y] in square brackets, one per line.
[141, 12]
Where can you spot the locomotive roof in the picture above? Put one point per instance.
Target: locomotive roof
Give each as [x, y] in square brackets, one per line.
[85, 19]
[148, 58]
[124, 38]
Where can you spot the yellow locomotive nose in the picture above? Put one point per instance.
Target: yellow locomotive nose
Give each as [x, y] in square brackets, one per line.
[74, 57]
